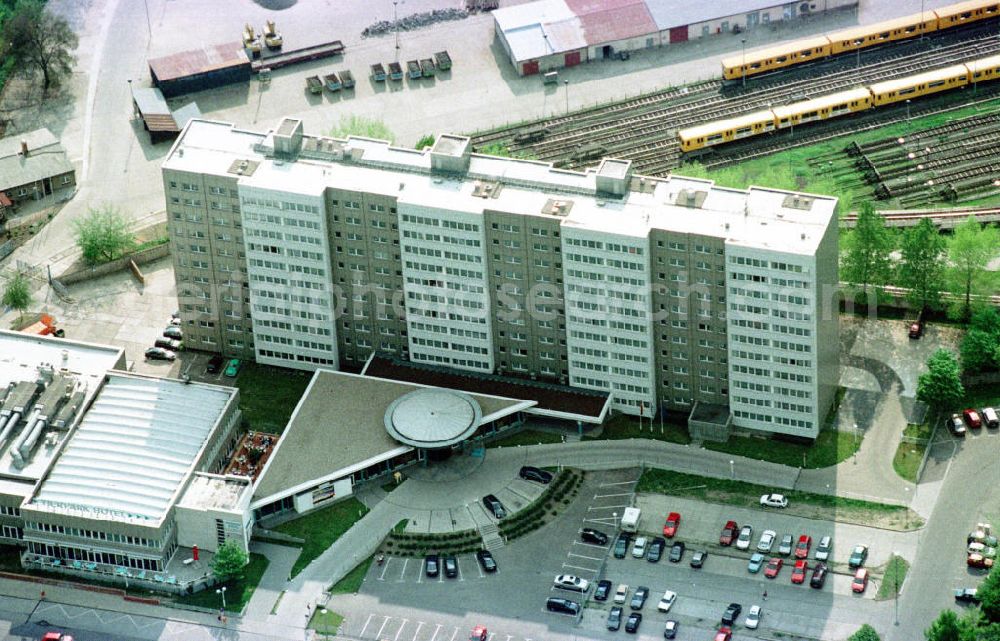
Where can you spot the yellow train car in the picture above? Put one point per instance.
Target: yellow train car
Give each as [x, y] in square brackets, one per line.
[773, 58]
[922, 84]
[822, 108]
[965, 12]
[848, 40]
[722, 131]
[984, 69]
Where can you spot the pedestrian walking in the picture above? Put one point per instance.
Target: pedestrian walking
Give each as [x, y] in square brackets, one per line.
[765, 595]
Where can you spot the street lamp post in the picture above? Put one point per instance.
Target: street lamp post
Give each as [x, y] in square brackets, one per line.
[921, 20]
[732, 468]
[395, 24]
[743, 67]
[222, 592]
[566, 84]
[907, 111]
[614, 516]
[895, 586]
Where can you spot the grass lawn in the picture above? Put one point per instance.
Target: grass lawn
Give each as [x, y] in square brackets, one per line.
[831, 447]
[326, 622]
[743, 494]
[352, 581]
[268, 395]
[321, 528]
[621, 426]
[527, 437]
[895, 574]
[238, 592]
[907, 460]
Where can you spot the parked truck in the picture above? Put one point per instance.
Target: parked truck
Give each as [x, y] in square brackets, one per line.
[630, 519]
[395, 71]
[443, 60]
[315, 84]
[413, 68]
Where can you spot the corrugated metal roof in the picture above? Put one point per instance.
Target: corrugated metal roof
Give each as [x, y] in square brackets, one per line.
[540, 29]
[46, 158]
[611, 20]
[675, 13]
[133, 449]
[195, 61]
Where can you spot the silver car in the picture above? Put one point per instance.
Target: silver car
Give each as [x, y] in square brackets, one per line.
[743, 542]
[785, 547]
[766, 541]
[823, 549]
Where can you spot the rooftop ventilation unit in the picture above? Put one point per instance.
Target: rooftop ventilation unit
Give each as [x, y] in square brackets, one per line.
[555, 207]
[793, 201]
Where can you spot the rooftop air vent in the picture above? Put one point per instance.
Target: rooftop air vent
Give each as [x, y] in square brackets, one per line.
[555, 207]
[795, 201]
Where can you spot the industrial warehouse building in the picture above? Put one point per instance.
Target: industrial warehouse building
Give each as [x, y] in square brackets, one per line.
[550, 34]
[309, 252]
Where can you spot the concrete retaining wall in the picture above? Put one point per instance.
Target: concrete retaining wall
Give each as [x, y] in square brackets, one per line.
[140, 258]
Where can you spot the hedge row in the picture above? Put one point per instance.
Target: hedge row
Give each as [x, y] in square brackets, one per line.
[521, 523]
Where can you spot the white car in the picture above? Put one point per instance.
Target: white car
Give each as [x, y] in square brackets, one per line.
[773, 500]
[824, 547]
[666, 601]
[753, 617]
[766, 541]
[743, 542]
[639, 547]
[621, 593]
[570, 582]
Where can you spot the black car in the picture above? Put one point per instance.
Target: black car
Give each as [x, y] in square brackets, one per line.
[602, 590]
[731, 614]
[432, 565]
[450, 567]
[167, 343]
[590, 535]
[172, 331]
[160, 354]
[215, 364]
[632, 624]
[698, 559]
[615, 618]
[676, 552]
[639, 597]
[564, 606]
[956, 425]
[486, 560]
[621, 545]
[819, 576]
[494, 506]
[966, 595]
[670, 629]
[529, 473]
[656, 549]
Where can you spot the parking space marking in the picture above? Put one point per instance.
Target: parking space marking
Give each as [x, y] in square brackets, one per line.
[578, 567]
[378, 635]
[458, 567]
[437, 628]
[582, 556]
[591, 508]
[453, 634]
[480, 568]
[402, 573]
[603, 521]
[420, 624]
[616, 483]
[400, 630]
[440, 575]
[608, 496]
[420, 574]
[590, 545]
[365, 626]
[385, 568]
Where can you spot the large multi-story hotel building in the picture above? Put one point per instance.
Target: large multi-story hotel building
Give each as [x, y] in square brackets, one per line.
[305, 251]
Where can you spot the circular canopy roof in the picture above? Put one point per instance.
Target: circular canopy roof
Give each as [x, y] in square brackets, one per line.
[432, 418]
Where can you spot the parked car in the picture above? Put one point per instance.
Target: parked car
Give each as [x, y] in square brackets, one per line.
[563, 606]
[746, 534]
[773, 568]
[819, 576]
[639, 597]
[479, 633]
[602, 590]
[172, 331]
[698, 558]
[766, 540]
[785, 546]
[450, 567]
[633, 621]
[990, 417]
[160, 354]
[486, 560]
[979, 561]
[724, 634]
[858, 556]
[432, 565]
[529, 473]
[773, 500]
[639, 547]
[753, 617]
[655, 549]
[977, 547]
[615, 618]
[590, 535]
[966, 595]
[621, 594]
[570, 582]
[729, 531]
[731, 614]
[756, 562]
[676, 552]
[972, 418]
[167, 343]
[824, 547]
[799, 571]
[670, 629]
[621, 545]
[667, 601]
[860, 581]
[494, 506]
[956, 425]
[175, 318]
[670, 527]
[215, 364]
[233, 368]
[802, 547]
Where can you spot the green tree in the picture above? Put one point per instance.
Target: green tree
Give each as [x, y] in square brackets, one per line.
[940, 386]
[970, 251]
[103, 235]
[426, 141]
[988, 632]
[38, 38]
[17, 293]
[229, 562]
[866, 258]
[865, 633]
[981, 341]
[923, 266]
[944, 628]
[989, 597]
[354, 125]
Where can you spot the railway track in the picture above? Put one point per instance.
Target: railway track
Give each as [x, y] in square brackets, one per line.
[943, 218]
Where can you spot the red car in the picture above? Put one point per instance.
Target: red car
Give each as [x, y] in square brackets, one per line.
[670, 527]
[724, 634]
[802, 547]
[860, 581]
[479, 633]
[729, 532]
[979, 561]
[773, 568]
[972, 418]
[799, 572]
